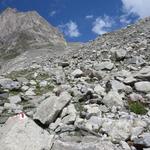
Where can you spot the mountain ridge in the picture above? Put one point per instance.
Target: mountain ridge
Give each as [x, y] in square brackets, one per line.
[25, 30]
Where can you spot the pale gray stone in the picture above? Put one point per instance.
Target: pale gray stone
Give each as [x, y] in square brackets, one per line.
[50, 108]
[14, 99]
[118, 130]
[120, 54]
[107, 65]
[20, 132]
[9, 84]
[77, 73]
[113, 99]
[85, 145]
[143, 86]
[99, 90]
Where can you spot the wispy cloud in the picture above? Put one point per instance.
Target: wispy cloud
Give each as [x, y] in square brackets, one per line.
[52, 13]
[125, 20]
[70, 29]
[89, 17]
[140, 8]
[102, 25]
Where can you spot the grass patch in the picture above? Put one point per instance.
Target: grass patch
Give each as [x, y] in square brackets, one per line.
[14, 92]
[137, 108]
[42, 90]
[79, 107]
[26, 73]
[42, 76]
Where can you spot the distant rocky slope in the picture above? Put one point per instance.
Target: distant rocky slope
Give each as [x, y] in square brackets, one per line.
[21, 31]
[92, 96]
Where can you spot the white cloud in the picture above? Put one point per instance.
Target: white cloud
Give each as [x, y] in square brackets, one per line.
[137, 7]
[102, 25]
[124, 19]
[70, 29]
[89, 16]
[52, 13]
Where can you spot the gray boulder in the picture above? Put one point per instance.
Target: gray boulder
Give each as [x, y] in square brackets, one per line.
[14, 99]
[77, 73]
[118, 130]
[50, 108]
[106, 65]
[143, 86]
[113, 99]
[143, 140]
[9, 84]
[20, 132]
[85, 144]
[120, 54]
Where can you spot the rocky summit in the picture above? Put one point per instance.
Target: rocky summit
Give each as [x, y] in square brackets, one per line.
[73, 96]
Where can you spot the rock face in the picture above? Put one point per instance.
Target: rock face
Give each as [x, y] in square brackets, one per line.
[23, 30]
[22, 133]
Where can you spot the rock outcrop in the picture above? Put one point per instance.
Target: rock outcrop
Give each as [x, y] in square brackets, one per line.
[21, 31]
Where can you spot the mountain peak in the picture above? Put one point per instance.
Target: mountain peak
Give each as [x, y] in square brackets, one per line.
[25, 30]
[10, 10]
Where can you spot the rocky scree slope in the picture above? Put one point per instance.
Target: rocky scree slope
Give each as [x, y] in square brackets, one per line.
[22, 31]
[93, 98]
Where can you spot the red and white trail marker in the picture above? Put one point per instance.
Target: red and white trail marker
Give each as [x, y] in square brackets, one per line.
[21, 115]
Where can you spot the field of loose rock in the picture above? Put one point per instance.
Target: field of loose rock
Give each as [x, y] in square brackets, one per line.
[94, 98]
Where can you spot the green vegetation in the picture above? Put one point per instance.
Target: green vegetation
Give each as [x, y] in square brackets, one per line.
[14, 92]
[10, 55]
[79, 107]
[42, 90]
[137, 108]
[42, 76]
[26, 73]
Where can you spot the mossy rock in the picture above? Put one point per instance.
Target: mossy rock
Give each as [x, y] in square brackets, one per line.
[137, 108]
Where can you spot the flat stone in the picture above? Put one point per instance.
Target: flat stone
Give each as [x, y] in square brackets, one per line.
[116, 85]
[14, 99]
[99, 90]
[129, 80]
[120, 54]
[118, 130]
[86, 144]
[77, 73]
[143, 86]
[107, 65]
[20, 132]
[143, 139]
[30, 92]
[9, 84]
[136, 97]
[113, 99]
[59, 75]
[50, 108]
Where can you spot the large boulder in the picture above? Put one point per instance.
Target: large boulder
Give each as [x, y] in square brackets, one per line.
[50, 108]
[118, 130]
[143, 86]
[87, 143]
[20, 132]
[113, 99]
[9, 84]
[106, 65]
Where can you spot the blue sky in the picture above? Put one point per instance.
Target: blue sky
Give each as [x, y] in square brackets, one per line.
[84, 20]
